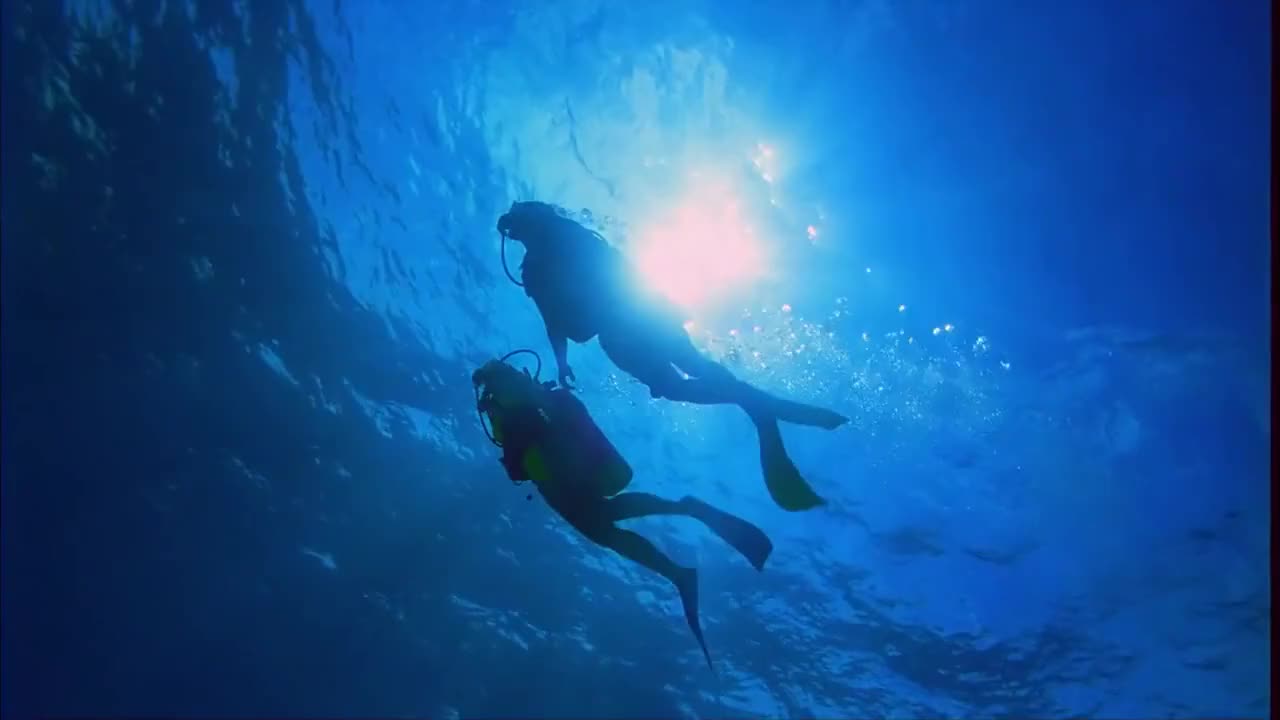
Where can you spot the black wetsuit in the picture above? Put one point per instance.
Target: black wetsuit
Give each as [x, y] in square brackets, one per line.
[568, 432]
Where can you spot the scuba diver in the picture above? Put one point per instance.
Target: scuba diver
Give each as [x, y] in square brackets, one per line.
[583, 288]
[548, 437]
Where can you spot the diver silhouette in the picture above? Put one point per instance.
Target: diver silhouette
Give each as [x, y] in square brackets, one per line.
[548, 437]
[583, 288]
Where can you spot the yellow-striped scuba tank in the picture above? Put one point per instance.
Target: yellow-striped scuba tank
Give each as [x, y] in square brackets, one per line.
[568, 446]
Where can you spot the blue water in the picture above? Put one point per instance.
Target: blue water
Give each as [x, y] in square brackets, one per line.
[249, 263]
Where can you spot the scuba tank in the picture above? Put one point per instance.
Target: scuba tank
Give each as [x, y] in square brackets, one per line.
[570, 446]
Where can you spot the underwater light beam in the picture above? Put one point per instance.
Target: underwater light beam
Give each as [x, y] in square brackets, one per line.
[703, 248]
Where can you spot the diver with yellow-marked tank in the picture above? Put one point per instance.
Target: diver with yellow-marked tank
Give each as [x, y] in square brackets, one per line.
[584, 288]
[548, 437]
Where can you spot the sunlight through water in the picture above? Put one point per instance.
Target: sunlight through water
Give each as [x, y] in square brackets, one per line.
[702, 248]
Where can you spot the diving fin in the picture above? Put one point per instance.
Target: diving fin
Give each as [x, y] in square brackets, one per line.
[688, 589]
[788, 489]
[744, 537]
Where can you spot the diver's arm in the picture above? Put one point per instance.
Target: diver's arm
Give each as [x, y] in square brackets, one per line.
[534, 283]
[560, 346]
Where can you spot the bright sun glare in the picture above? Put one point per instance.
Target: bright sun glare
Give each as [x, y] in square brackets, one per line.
[700, 248]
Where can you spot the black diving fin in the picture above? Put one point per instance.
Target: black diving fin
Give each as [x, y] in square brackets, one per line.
[744, 537]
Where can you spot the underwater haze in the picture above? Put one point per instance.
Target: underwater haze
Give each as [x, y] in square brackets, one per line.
[250, 263]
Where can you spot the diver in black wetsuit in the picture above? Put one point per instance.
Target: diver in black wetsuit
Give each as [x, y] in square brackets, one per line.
[583, 288]
[548, 437]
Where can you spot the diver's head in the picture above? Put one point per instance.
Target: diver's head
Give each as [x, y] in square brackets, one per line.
[527, 222]
[506, 385]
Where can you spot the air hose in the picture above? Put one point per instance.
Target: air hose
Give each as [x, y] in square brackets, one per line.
[506, 269]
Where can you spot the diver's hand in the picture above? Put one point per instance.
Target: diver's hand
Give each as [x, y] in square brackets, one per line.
[566, 375]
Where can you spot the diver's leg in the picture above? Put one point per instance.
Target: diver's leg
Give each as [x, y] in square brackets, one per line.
[791, 411]
[634, 355]
[756, 402]
[741, 535]
[638, 549]
[630, 505]
[650, 353]
[713, 380]
[649, 360]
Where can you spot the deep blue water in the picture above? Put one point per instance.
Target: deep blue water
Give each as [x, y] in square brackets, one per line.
[249, 263]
